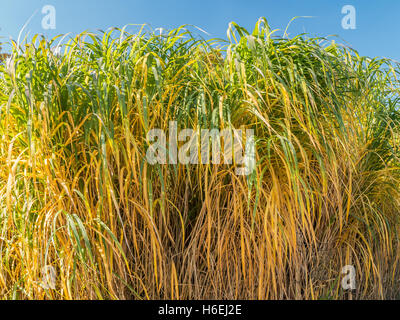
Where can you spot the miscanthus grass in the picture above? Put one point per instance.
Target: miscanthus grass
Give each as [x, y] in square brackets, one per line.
[78, 196]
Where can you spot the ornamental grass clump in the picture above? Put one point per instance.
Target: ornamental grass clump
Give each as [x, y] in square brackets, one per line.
[78, 196]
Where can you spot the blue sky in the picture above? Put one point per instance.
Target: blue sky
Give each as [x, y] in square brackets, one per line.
[378, 21]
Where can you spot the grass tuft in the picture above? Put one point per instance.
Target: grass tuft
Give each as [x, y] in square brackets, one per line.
[77, 194]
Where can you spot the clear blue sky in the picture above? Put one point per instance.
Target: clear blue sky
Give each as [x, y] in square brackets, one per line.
[378, 21]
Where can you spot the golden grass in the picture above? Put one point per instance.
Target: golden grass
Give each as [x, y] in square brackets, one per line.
[77, 194]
